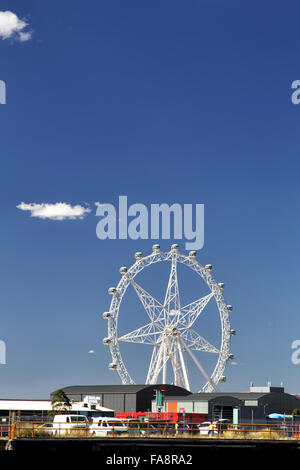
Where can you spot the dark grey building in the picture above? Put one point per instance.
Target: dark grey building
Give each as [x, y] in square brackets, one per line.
[259, 402]
[124, 398]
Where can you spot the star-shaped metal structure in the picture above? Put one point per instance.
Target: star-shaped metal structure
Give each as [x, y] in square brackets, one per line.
[170, 331]
[170, 328]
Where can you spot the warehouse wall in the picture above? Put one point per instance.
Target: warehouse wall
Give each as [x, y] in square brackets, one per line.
[130, 402]
[146, 396]
[115, 401]
[279, 403]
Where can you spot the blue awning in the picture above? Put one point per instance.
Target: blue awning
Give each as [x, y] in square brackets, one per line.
[276, 416]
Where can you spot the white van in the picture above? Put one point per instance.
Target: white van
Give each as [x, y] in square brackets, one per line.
[63, 424]
[104, 426]
[204, 428]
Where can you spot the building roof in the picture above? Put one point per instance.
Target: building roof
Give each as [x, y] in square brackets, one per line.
[80, 407]
[41, 405]
[26, 405]
[239, 395]
[210, 396]
[94, 389]
[79, 389]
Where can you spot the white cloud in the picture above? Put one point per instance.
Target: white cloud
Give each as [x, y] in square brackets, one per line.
[234, 363]
[25, 36]
[13, 27]
[91, 351]
[57, 211]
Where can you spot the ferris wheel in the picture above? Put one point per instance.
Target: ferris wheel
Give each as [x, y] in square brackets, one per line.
[170, 330]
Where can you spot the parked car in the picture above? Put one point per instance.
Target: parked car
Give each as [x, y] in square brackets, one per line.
[223, 424]
[63, 424]
[103, 426]
[193, 429]
[220, 425]
[143, 428]
[204, 428]
[181, 428]
[46, 428]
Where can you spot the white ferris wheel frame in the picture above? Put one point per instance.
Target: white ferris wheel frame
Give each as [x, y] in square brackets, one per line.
[169, 331]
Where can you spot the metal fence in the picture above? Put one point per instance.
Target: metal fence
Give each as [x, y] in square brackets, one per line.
[5, 430]
[43, 429]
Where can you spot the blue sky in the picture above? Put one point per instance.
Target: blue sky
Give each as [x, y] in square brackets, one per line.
[169, 101]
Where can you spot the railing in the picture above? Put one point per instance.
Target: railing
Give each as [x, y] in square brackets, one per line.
[48, 430]
[152, 429]
[258, 431]
[4, 430]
